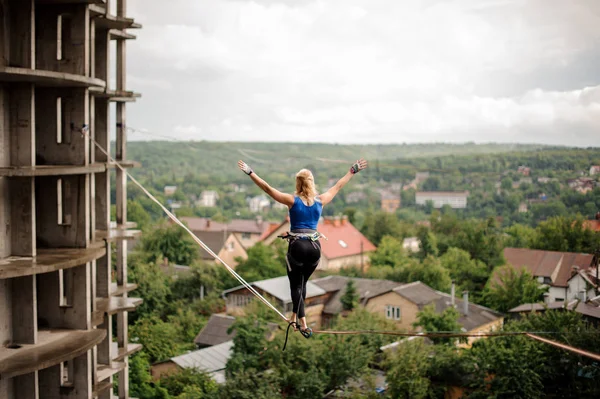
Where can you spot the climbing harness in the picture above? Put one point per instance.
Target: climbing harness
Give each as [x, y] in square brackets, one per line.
[291, 236]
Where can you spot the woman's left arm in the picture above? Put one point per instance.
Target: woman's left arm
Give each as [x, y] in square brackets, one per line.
[282, 198]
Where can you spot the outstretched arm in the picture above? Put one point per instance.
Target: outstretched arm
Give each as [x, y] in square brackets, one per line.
[282, 198]
[332, 192]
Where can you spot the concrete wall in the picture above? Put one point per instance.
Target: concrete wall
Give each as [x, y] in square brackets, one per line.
[408, 310]
[4, 161]
[489, 327]
[160, 369]
[345, 261]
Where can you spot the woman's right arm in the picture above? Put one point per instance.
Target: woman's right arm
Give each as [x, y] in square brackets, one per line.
[332, 192]
[282, 198]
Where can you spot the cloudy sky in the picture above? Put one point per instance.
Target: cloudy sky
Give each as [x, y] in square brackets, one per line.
[367, 71]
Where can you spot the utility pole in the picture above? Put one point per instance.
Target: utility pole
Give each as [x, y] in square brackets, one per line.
[597, 262]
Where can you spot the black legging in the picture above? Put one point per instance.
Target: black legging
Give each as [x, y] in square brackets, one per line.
[303, 258]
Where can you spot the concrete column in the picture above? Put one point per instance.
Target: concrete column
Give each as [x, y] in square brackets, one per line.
[24, 312]
[104, 347]
[22, 33]
[103, 274]
[49, 382]
[124, 381]
[102, 55]
[122, 262]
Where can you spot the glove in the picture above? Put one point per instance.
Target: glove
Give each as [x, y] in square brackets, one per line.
[358, 166]
[245, 167]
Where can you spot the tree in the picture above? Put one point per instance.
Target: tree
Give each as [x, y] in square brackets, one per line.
[388, 253]
[171, 242]
[470, 274]
[431, 321]
[136, 213]
[350, 298]
[428, 242]
[262, 263]
[379, 224]
[429, 272]
[509, 288]
[249, 344]
[153, 287]
[431, 184]
[157, 338]
[407, 371]
[567, 235]
[140, 379]
[189, 382]
[520, 236]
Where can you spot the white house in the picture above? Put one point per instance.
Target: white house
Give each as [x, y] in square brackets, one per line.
[208, 199]
[595, 170]
[258, 203]
[457, 200]
[170, 190]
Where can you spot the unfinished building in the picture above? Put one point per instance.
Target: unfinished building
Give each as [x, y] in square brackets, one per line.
[60, 292]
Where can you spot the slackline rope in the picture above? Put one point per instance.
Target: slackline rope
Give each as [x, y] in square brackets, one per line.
[85, 131]
[438, 334]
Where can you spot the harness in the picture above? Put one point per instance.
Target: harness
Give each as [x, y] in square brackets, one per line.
[291, 237]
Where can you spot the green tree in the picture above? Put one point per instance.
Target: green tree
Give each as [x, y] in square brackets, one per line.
[140, 379]
[249, 344]
[262, 263]
[350, 298]
[136, 213]
[172, 242]
[157, 338]
[380, 224]
[250, 384]
[188, 382]
[470, 274]
[388, 253]
[509, 288]
[432, 321]
[429, 272]
[153, 287]
[566, 235]
[407, 371]
[428, 244]
[520, 236]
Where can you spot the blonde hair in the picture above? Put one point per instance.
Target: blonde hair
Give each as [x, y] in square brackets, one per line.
[305, 186]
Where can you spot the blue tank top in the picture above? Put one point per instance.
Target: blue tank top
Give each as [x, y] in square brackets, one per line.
[305, 217]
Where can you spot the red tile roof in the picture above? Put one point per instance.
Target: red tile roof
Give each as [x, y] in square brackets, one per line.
[544, 263]
[234, 226]
[592, 225]
[343, 239]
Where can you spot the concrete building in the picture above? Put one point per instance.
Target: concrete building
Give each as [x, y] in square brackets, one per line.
[59, 290]
[456, 200]
[208, 199]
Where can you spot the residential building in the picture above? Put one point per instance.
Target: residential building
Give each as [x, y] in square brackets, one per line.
[208, 199]
[395, 301]
[216, 331]
[411, 244]
[259, 203]
[278, 289]
[582, 185]
[169, 190]
[63, 301]
[595, 170]
[524, 170]
[550, 268]
[390, 202]
[456, 200]
[355, 196]
[523, 207]
[345, 246]
[211, 360]
[590, 310]
[247, 231]
[593, 224]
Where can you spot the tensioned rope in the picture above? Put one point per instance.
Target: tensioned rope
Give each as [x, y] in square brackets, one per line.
[438, 334]
[85, 131]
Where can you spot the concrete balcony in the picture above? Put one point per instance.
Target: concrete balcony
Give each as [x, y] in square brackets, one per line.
[44, 78]
[53, 347]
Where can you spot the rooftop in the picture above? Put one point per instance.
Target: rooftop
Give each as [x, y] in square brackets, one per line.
[211, 360]
[279, 288]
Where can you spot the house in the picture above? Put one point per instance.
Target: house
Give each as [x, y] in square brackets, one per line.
[456, 199]
[223, 243]
[215, 332]
[247, 231]
[278, 289]
[208, 199]
[593, 224]
[345, 246]
[355, 196]
[402, 302]
[211, 360]
[169, 190]
[582, 185]
[595, 170]
[523, 208]
[411, 244]
[590, 310]
[524, 170]
[553, 269]
[259, 203]
[390, 201]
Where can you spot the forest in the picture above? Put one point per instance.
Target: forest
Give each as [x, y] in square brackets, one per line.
[464, 246]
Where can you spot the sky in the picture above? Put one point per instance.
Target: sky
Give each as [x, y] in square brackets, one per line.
[367, 71]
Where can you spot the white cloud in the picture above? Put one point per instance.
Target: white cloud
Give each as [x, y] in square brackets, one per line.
[372, 69]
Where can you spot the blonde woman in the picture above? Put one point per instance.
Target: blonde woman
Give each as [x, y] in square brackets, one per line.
[304, 250]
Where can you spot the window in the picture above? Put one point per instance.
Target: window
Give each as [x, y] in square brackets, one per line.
[66, 374]
[59, 121]
[343, 244]
[547, 280]
[245, 236]
[65, 286]
[230, 246]
[63, 193]
[392, 312]
[63, 36]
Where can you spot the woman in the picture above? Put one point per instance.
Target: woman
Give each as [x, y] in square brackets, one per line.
[304, 250]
